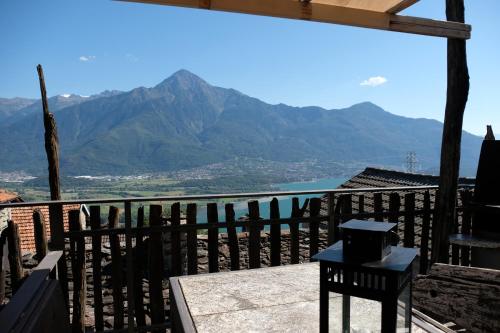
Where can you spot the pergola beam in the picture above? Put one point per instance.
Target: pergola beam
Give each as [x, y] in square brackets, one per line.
[326, 12]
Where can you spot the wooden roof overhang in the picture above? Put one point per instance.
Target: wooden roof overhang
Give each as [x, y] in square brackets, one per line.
[374, 14]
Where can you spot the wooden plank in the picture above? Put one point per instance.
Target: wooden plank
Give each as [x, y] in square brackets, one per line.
[314, 212]
[192, 240]
[14, 256]
[361, 203]
[116, 269]
[456, 100]
[175, 240]
[399, 6]
[392, 6]
[234, 247]
[213, 237]
[294, 233]
[424, 242]
[346, 207]
[254, 235]
[40, 234]
[274, 213]
[474, 241]
[140, 316]
[468, 296]
[156, 267]
[337, 219]
[49, 262]
[466, 197]
[378, 207]
[95, 224]
[394, 207]
[77, 250]
[421, 26]
[315, 10]
[381, 6]
[409, 220]
[130, 266]
[325, 11]
[331, 218]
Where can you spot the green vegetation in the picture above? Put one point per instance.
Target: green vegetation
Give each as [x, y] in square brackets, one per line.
[80, 188]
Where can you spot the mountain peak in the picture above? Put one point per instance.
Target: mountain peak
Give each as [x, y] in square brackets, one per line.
[185, 74]
[183, 79]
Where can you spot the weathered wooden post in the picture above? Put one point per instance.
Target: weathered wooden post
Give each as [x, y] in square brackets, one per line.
[55, 210]
[254, 235]
[213, 237]
[456, 100]
[314, 213]
[95, 224]
[77, 250]
[274, 214]
[3, 237]
[140, 316]
[156, 267]
[40, 234]
[116, 268]
[15, 261]
[331, 218]
[192, 239]
[234, 248]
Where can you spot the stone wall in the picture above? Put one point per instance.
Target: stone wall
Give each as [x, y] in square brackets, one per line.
[5, 215]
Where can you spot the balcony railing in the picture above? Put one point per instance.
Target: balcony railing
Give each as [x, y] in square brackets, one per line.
[172, 242]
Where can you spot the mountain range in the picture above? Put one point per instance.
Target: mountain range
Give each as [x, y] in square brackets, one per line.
[184, 122]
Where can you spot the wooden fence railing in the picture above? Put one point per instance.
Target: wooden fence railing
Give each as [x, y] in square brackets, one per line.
[137, 268]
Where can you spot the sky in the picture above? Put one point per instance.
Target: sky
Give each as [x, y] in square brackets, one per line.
[88, 46]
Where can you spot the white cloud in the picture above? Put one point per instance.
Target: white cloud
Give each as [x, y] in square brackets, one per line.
[66, 95]
[374, 81]
[87, 58]
[132, 58]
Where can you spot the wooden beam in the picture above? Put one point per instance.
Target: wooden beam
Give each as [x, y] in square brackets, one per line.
[468, 296]
[402, 5]
[51, 141]
[456, 100]
[326, 12]
[422, 26]
[381, 6]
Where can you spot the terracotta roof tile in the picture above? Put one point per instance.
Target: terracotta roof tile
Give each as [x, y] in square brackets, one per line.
[23, 217]
[8, 196]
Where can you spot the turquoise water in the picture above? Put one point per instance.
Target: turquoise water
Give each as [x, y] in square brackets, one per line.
[285, 202]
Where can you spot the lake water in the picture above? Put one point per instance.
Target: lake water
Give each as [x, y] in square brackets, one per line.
[285, 202]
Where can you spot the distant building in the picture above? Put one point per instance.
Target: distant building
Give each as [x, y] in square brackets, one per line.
[383, 178]
[5, 214]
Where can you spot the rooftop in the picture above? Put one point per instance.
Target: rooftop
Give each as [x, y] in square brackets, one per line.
[6, 196]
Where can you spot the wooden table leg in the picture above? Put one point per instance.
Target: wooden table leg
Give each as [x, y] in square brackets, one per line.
[323, 299]
[346, 314]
